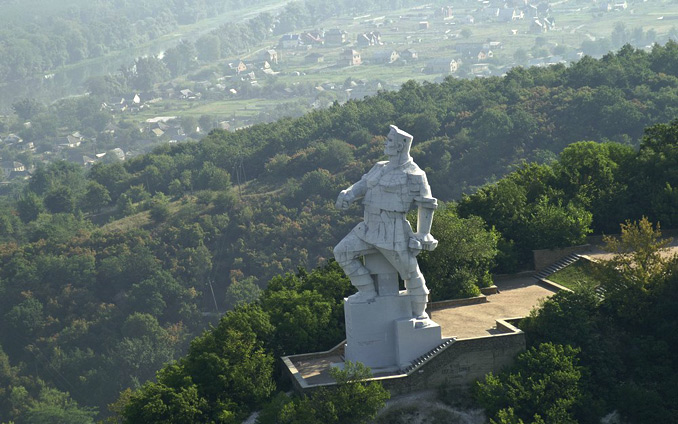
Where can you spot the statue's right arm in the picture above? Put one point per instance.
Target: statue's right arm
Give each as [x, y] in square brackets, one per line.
[351, 194]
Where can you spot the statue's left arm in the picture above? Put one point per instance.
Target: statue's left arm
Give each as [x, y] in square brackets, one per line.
[426, 205]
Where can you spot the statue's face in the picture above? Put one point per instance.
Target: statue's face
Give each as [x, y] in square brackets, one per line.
[392, 147]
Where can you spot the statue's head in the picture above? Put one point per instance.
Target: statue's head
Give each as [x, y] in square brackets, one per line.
[397, 142]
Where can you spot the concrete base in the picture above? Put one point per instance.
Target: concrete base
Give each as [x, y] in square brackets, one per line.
[383, 335]
[415, 337]
[370, 332]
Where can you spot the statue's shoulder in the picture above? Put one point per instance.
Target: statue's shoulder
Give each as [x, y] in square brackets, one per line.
[377, 167]
[414, 170]
[416, 177]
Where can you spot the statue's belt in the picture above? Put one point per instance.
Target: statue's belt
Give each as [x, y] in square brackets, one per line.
[373, 210]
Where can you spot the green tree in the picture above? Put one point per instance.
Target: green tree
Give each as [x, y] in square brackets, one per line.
[520, 56]
[634, 307]
[159, 208]
[29, 206]
[160, 403]
[137, 193]
[638, 253]
[96, 197]
[319, 182]
[189, 124]
[354, 400]
[301, 319]
[124, 206]
[653, 182]
[493, 124]
[240, 292]
[542, 385]
[207, 123]
[464, 256]
[113, 177]
[637, 267]
[593, 174]
[229, 365]
[27, 108]
[60, 173]
[224, 376]
[208, 48]
[143, 348]
[105, 86]
[550, 225]
[181, 58]
[26, 318]
[306, 309]
[57, 228]
[212, 177]
[55, 407]
[147, 72]
[60, 200]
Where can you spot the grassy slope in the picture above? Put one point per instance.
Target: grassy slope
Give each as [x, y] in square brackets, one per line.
[579, 274]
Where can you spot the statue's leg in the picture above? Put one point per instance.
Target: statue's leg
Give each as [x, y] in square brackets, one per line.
[348, 253]
[406, 264]
[416, 287]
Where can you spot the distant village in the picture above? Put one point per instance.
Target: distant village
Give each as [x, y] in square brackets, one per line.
[310, 52]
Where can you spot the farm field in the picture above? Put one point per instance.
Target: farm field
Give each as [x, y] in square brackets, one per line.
[514, 44]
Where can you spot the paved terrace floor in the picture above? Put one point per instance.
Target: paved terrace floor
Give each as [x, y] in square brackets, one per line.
[517, 297]
[597, 253]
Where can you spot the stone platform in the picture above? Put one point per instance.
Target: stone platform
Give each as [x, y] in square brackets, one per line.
[392, 340]
[484, 341]
[381, 332]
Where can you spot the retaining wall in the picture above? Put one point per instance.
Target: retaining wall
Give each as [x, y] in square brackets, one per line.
[458, 365]
[545, 257]
[462, 363]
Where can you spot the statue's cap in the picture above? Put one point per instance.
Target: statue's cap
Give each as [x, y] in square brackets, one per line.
[407, 136]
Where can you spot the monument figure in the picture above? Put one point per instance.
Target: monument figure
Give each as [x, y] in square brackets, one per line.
[389, 190]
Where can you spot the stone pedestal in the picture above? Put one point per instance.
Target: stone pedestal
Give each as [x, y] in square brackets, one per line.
[414, 338]
[370, 330]
[382, 333]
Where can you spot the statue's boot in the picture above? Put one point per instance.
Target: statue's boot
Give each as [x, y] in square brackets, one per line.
[416, 288]
[366, 291]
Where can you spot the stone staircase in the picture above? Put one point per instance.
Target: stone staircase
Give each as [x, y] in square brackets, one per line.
[417, 363]
[600, 292]
[542, 274]
[557, 266]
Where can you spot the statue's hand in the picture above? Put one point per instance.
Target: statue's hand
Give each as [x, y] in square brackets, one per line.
[342, 202]
[423, 242]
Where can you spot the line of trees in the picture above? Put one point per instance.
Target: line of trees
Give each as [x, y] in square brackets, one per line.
[591, 187]
[229, 370]
[593, 357]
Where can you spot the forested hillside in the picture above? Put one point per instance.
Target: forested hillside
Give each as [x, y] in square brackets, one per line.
[591, 354]
[106, 275]
[62, 33]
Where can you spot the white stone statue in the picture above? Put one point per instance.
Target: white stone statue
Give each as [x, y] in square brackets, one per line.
[389, 190]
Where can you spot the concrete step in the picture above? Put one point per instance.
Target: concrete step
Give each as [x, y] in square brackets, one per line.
[600, 292]
[427, 356]
[557, 266]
